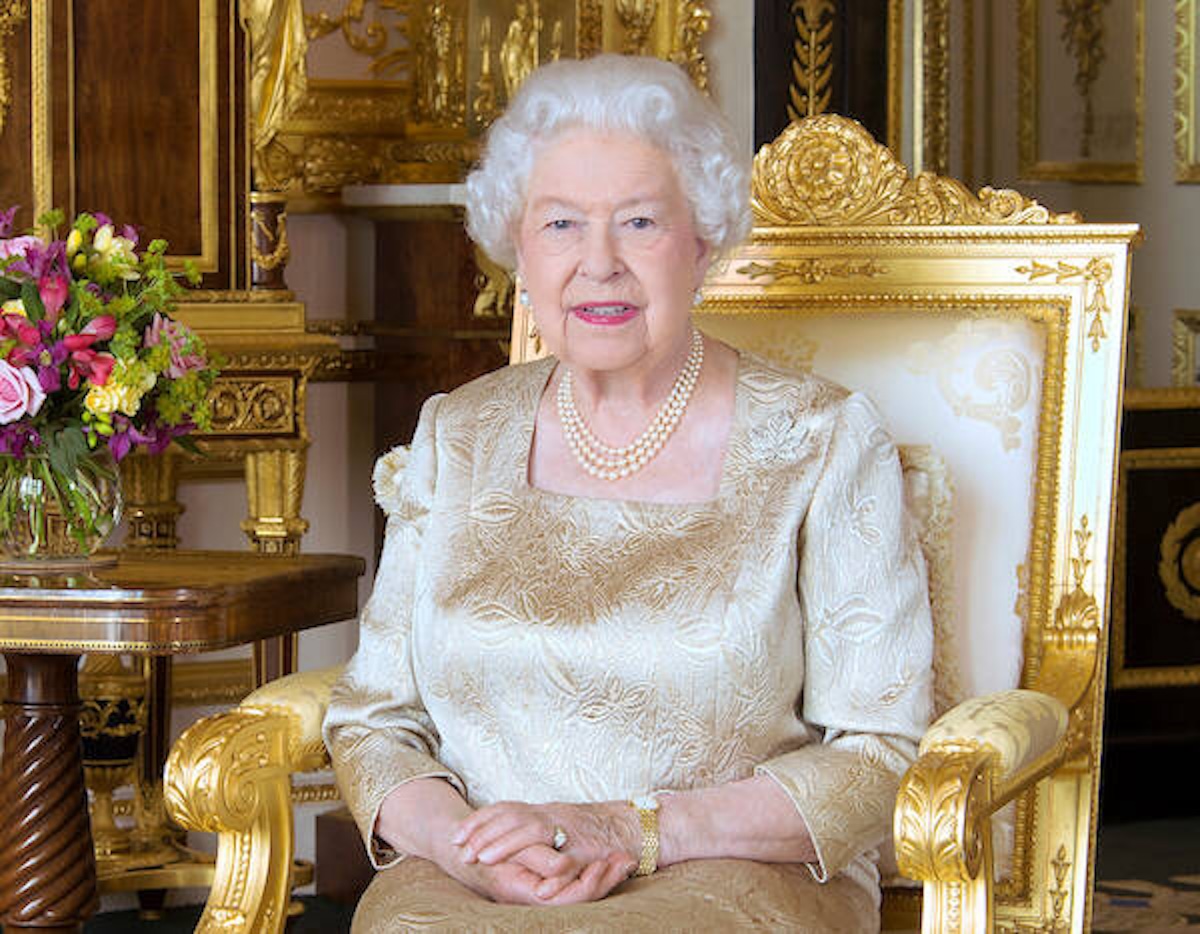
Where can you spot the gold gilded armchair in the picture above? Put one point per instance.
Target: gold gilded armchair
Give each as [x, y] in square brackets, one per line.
[990, 333]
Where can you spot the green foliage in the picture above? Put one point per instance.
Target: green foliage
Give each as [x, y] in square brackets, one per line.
[66, 446]
[32, 301]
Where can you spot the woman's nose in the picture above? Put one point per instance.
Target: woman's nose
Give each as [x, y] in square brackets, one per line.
[600, 260]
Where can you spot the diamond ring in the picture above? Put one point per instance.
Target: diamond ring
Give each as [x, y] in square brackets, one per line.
[560, 838]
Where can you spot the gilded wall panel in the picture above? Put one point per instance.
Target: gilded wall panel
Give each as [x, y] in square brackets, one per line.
[1185, 333]
[1187, 152]
[1081, 77]
[397, 91]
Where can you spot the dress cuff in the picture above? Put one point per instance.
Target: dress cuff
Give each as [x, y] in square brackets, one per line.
[844, 799]
[369, 770]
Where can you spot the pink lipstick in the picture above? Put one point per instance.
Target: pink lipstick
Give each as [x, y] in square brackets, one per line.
[605, 313]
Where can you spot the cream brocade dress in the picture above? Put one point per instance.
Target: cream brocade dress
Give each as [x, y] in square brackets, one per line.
[530, 646]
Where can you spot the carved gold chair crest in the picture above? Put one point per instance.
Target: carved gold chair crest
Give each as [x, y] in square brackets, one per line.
[990, 333]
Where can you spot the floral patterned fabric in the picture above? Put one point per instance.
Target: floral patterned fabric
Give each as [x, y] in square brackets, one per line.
[533, 646]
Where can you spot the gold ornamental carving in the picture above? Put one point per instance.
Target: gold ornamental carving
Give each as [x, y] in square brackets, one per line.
[941, 813]
[371, 40]
[495, 288]
[519, 52]
[440, 72]
[637, 19]
[228, 774]
[828, 171]
[278, 76]
[811, 270]
[812, 58]
[694, 21]
[277, 238]
[254, 405]
[1179, 561]
[12, 14]
[1097, 274]
[439, 68]
[1077, 619]
[1083, 39]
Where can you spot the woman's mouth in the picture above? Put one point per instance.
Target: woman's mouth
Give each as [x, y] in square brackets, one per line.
[605, 313]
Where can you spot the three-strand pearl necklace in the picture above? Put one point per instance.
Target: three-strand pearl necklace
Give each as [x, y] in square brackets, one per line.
[610, 463]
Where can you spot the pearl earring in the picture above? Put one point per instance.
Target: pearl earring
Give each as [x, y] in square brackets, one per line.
[697, 298]
[524, 297]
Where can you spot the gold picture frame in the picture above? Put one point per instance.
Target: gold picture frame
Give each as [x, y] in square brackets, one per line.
[1124, 675]
[1068, 73]
[1187, 147]
[1185, 334]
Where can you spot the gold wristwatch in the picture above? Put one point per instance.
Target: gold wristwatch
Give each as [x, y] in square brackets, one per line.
[647, 808]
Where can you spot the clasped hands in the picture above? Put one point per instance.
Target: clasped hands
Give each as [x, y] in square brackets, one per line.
[505, 851]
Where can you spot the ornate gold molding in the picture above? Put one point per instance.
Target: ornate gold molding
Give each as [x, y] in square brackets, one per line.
[314, 794]
[1097, 274]
[1185, 331]
[1187, 161]
[936, 85]
[829, 171]
[260, 405]
[1083, 39]
[1030, 106]
[811, 86]
[1122, 675]
[812, 270]
[637, 19]
[12, 14]
[1077, 618]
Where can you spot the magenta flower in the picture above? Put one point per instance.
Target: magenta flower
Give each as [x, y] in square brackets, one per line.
[53, 290]
[6, 221]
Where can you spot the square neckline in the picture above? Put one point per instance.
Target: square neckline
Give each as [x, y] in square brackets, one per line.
[529, 428]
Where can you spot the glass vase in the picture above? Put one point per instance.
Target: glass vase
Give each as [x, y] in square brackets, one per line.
[50, 518]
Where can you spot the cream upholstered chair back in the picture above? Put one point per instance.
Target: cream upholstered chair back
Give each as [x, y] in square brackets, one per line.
[990, 333]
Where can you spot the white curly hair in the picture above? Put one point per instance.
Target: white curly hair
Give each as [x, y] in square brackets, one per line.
[644, 96]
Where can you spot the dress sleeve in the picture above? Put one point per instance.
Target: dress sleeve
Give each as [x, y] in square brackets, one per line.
[376, 728]
[868, 645]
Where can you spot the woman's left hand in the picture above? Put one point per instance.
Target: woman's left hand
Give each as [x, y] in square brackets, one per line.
[594, 832]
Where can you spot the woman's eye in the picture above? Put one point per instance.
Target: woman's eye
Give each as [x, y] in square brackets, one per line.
[641, 223]
[560, 223]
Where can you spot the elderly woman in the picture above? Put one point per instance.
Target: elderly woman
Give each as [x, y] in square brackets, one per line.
[649, 645]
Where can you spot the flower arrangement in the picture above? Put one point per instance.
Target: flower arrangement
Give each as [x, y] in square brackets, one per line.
[92, 365]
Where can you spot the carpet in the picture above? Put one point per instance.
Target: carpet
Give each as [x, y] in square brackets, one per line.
[1138, 905]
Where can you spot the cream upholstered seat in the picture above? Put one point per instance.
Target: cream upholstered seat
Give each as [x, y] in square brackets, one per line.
[990, 334]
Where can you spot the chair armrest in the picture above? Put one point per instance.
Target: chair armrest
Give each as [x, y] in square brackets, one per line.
[230, 774]
[972, 761]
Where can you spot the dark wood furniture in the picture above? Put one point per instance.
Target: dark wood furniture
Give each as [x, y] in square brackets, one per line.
[158, 603]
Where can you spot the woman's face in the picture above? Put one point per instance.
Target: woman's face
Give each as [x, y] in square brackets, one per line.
[609, 253]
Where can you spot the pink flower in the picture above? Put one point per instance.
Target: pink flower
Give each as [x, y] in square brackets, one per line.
[175, 335]
[100, 328]
[20, 393]
[17, 246]
[53, 292]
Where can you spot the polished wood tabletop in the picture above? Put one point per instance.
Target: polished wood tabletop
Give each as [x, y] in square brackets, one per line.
[174, 602]
[161, 603]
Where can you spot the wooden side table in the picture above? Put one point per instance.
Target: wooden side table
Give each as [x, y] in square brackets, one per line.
[158, 603]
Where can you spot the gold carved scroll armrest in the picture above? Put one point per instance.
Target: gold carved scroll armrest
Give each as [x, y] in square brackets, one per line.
[972, 761]
[230, 774]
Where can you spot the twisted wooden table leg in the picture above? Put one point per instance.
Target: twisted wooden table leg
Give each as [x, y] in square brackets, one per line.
[47, 868]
